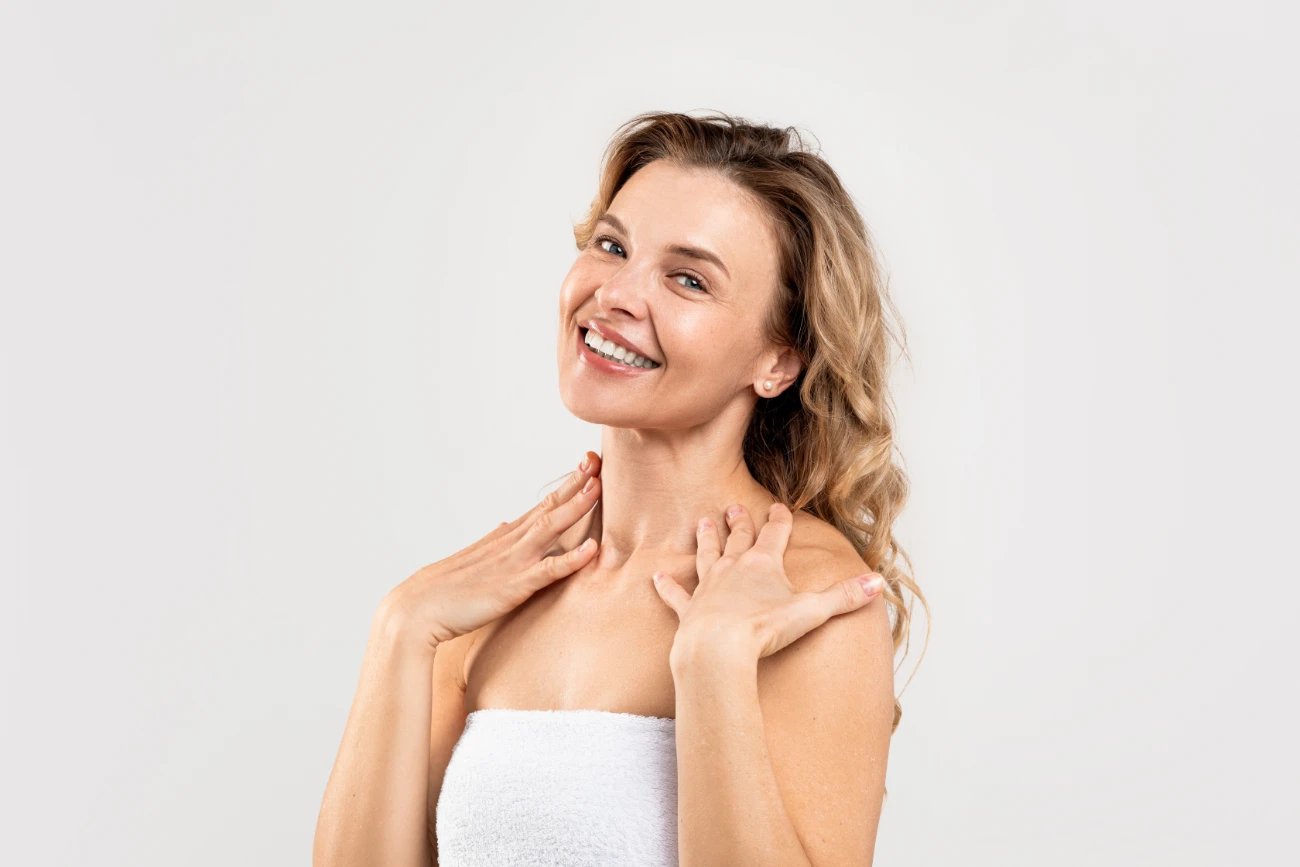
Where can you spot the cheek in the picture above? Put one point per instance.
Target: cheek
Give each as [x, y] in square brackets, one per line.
[568, 296]
[704, 344]
[582, 281]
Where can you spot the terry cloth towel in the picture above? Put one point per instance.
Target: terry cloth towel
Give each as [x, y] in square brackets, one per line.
[560, 788]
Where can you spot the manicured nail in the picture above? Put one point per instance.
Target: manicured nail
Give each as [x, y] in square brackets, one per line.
[872, 583]
[705, 524]
[586, 462]
[733, 511]
[591, 483]
[588, 545]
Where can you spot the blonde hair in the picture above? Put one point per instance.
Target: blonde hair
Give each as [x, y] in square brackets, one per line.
[825, 444]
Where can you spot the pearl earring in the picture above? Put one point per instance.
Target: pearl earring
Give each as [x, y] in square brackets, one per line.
[767, 385]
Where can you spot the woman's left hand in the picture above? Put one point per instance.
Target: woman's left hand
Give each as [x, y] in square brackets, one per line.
[744, 595]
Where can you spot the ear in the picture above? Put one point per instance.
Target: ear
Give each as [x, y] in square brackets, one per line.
[780, 369]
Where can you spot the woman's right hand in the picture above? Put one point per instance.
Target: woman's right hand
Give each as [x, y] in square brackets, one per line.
[497, 573]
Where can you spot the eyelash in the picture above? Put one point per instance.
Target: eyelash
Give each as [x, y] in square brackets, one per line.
[704, 286]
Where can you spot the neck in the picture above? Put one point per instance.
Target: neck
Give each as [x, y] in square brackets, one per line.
[656, 486]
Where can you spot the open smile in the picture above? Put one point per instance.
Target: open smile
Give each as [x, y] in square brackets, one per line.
[608, 356]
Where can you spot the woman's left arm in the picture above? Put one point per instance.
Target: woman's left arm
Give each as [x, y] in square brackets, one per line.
[796, 777]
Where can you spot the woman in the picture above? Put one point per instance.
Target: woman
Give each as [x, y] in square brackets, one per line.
[679, 656]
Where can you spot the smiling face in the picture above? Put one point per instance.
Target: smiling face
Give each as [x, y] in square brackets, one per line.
[698, 322]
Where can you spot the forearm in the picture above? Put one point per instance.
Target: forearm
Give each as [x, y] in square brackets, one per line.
[375, 808]
[729, 807]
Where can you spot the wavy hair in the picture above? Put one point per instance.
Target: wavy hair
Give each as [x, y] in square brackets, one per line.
[826, 444]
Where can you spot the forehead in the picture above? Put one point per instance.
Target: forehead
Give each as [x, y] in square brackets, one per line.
[663, 205]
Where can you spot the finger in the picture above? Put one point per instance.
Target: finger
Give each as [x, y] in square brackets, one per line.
[496, 533]
[708, 547]
[741, 536]
[566, 490]
[845, 596]
[552, 569]
[810, 610]
[672, 593]
[549, 525]
[508, 532]
[775, 534]
[501, 529]
[571, 484]
[478, 549]
[590, 466]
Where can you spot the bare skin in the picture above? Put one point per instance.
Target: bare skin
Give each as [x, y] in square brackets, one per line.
[376, 808]
[486, 630]
[670, 439]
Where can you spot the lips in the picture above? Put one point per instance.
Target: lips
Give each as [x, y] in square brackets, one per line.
[609, 333]
[609, 350]
[589, 357]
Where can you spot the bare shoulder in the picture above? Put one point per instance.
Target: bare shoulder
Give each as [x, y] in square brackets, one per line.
[818, 554]
[827, 701]
[817, 558]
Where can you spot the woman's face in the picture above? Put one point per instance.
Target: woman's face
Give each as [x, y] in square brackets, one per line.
[698, 322]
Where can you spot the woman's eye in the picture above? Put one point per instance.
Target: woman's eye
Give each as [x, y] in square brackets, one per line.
[618, 250]
[698, 287]
[601, 243]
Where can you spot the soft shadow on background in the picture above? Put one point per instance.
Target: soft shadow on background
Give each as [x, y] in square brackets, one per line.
[279, 287]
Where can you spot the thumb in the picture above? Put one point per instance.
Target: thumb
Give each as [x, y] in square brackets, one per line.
[671, 592]
[813, 608]
[853, 593]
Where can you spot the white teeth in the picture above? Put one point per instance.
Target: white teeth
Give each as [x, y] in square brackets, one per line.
[610, 349]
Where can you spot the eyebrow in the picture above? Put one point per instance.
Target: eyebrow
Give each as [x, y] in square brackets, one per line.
[681, 249]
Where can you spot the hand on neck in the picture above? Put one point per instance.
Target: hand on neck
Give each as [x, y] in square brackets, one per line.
[657, 485]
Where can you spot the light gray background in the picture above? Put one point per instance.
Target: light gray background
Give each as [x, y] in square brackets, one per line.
[279, 288]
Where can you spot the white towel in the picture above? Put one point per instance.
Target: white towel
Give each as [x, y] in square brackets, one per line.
[570, 788]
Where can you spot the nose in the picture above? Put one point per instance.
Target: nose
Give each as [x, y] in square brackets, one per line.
[626, 292]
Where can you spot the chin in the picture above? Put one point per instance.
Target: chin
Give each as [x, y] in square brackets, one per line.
[588, 405]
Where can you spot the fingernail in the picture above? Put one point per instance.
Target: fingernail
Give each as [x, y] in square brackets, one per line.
[872, 583]
[586, 462]
[588, 545]
[591, 483]
[705, 524]
[733, 511]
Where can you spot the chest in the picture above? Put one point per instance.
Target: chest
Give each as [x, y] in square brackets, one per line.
[587, 641]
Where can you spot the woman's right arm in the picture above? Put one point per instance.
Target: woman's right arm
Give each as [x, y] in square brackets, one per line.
[377, 804]
[374, 810]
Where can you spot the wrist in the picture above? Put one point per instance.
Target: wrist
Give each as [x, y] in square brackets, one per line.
[695, 651]
[392, 627]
